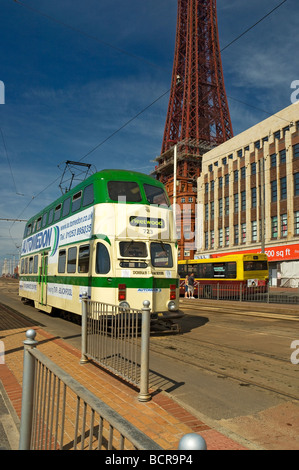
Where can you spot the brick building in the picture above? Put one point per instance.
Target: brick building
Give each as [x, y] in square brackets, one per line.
[250, 179]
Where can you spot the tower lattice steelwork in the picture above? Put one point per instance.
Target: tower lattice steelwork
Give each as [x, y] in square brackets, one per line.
[198, 116]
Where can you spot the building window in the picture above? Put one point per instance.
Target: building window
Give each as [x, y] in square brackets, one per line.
[220, 237]
[206, 211]
[284, 225]
[236, 176]
[226, 236]
[243, 201]
[239, 153]
[236, 234]
[254, 230]
[212, 239]
[206, 188]
[283, 188]
[227, 205]
[220, 207]
[224, 161]
[274, 191]
[277, 135]
[212, 210]
[226, 178]
[190, 199]
[253, 168]
[220, 182]
[243, 233]
[212, 185]
[296, 150]
[274, 227]
[243, 172]
[296, 223]
[253, 197]
[206, 240]
[282, 156]
[236, 203]
[273, 160]
[257, 144]
[182, 199]
[296, 184]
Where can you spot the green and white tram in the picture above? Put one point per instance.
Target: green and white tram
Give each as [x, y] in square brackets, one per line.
[111, 236]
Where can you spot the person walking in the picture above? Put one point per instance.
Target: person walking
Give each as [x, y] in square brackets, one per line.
[191, 286]
[186, 286]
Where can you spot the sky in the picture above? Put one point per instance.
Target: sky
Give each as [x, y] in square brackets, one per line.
[89, 81]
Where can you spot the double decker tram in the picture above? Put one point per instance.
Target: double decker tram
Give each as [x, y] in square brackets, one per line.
[111, 236]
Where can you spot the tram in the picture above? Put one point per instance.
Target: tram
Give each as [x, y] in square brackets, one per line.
[111, 236]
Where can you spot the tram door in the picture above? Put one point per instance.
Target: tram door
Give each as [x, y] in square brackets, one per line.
[43, 278]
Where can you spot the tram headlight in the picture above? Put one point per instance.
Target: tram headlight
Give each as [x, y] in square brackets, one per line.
[171, 306]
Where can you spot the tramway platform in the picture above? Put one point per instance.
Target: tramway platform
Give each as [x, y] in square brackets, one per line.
[162, 419]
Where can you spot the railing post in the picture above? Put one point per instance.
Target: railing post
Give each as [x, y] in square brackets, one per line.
[27, 391]
[144, 394]
[84, 358]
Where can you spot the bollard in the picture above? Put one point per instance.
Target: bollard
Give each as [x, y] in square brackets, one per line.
[84, 358]
[144, 394]
[192, 441]
[27, 391]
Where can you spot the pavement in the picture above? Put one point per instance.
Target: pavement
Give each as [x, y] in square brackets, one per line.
[162, 418]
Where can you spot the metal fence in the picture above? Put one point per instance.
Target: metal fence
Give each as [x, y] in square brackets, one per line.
[59, 413]
[243, 294]
[118, 339]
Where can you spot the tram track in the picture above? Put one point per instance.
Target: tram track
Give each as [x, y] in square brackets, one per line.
[243, 381]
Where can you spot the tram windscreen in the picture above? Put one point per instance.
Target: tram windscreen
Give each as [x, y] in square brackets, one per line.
[126, 190]
[161, 255]
[155, 195]
[133, 249]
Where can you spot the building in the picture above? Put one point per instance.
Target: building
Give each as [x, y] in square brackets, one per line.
[248, 196]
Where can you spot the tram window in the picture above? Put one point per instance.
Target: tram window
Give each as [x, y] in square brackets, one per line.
[26, 266]
[57, 212]
[34, 226]
[133, 249]
[28, 232]
[61, 261]
[71, 259]
[155, 195]
[83, 262]
[51, 213]
[38, 223]
[31, 265]
[66, 207]
[76, 204]
[35, 264]
[161, 255]
[88, 195]
[22, 266]
[129, 190]
[102, 259]
[44, 222]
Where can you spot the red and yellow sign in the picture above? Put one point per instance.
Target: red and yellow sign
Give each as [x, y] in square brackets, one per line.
[274, 253]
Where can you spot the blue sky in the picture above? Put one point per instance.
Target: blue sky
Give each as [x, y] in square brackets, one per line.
[76, 72]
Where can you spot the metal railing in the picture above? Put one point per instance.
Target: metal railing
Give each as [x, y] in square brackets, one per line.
[59, 413]
[118, 339]
[239, 293]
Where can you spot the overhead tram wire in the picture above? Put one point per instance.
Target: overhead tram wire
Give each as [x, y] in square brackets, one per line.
[137, 57]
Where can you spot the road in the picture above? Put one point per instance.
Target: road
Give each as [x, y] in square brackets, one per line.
[231, 365]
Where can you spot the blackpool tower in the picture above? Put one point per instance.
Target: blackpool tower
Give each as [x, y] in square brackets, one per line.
[198, 116]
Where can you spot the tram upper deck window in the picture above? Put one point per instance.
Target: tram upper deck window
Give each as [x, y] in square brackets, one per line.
[38, 223]
[57, 212]
[88, 197]
[44, 222]
[155, 195]
[161, 255]
[76, 203]
[133, 249]
[66, 207]
[127, 190]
